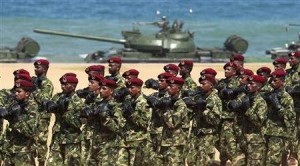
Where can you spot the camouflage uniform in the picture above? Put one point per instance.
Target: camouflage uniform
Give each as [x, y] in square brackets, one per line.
[252, 128]
[106, 136]
[189, 84]
[136, 138]
[65, 148]
[278, 128]
[227, 144]
[173, 137]
[204, 133]
[120, 80]
[20, 145]
[43, 92]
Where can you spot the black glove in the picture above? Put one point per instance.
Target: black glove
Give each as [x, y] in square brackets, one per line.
[201, 104]
[274, 101]
[3, 112]
[63, 103]
[128, 109]
[120, 94]
[37, 82]
[90, 98]
[166, 103]
[190, 103]
[289, 90]
[234, 104]
[105, 109]
[51, 107]
[228, 93]
[153, 102]
[82, 93]
[188, 93]
[151, 83]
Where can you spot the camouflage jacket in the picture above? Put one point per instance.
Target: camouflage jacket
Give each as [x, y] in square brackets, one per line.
[137, 126]
[120, 81]
[189, 84]
[44, 92]
[266, 88]
[23, 128]
[292, 75]
[208, 120]
[255, 116]
[174, 119]
[67, 125]
[281, 122]
[6, 97]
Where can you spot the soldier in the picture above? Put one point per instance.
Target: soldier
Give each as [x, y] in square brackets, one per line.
[132, 73]
[238, 59]
[172, 69]
[114, 64]
[209, 71]
[280, 120]
[66, 106]
[43, 91]
[22, 115]
[280, 63]
[265, 72]
[95, 69]
[293, 79]
[136, 135]
[107, 120]
[174, 116]
[207, 117]
[185, 69]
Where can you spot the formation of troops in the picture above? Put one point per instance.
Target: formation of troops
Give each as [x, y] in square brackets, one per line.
[250, 117]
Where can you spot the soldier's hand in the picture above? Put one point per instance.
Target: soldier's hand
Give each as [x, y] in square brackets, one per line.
[275, 103]
[234, 105]
[228, 93]
[3, 112]
[63, 103]
[190, 103]
[153, 102]
[151, 83]
[87, 112]
[82, 93]
[90, 98]
[201, 104]
[105, 110]
[128, 109]
[120, 94]
[166, 103]
[188, 93]
[51, 107]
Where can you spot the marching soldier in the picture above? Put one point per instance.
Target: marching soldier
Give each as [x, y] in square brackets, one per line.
[265, 72]
[238, 59]
[66, 106]
[132, 73]
[280, 120]
[280, 63]
[172, 69]
[185, 69]
[20, 142]
[95, 69]
[114, 64]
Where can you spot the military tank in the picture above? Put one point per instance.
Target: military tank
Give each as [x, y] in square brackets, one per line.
[170, 44]
[284, 51]
[26, 50]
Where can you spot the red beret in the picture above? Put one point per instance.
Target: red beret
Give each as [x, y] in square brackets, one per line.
[96, 77]
[23, 84]
[229, 64]
[175, 80]
[280, 60]
[94, 68]
[134, 82]
[278, 73]
[257, 78]
[237, 57]
[43, 62]
[171, 67]
[23, 77]
[108, 82]
[115, 59]
[208, 71]
[68, 78]
[207, 78]
[247, 72]
[295, 54]
[131, 72]
[165, 75]
[263, 70]
[21, 71]
[187, 63]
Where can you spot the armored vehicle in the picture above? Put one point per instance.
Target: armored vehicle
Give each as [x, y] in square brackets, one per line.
[25, 51]
[171, 43]
[284, 51]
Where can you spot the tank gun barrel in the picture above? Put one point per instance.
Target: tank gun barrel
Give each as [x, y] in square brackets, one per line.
[296, 25]
[105, 39]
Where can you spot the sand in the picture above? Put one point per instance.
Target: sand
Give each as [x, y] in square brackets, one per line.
[149, 70]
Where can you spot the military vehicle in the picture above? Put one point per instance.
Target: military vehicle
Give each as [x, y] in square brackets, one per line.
[170, 44]
[26, 50]
[284, 51]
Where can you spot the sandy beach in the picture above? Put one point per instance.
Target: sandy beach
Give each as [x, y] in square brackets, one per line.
[147, 70]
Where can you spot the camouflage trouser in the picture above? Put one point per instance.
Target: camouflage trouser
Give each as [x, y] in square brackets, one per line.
[276, 147]
[42, 148]
[20, 158]
[102, 153]
[65, 154]
[156, 141]
[255, 154]
[228, 143]
[172, 155]
[201, 150]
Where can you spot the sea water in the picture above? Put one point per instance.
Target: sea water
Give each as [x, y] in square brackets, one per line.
[264, 24]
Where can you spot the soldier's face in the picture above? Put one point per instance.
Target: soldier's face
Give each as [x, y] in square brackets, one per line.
[39, 70]
[134, 90]
[173, 89]
[229, 72]
[243, 79]
[174, 73]
[293, 61]
[276, 83]
[183, 70]
[21, 94]
[129, 77]
[252, 87]
[162, 84]
[94, 85]
[205, 86]
[96, 72]
[279, 66]
[113, 68]
[106, 92]
[67, 88]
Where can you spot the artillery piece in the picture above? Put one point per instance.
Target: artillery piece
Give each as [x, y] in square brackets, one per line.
[170, 44]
